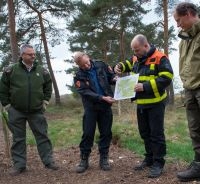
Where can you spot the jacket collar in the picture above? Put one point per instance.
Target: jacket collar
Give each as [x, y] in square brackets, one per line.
[23, 66]
[190, 33]
[149, 53]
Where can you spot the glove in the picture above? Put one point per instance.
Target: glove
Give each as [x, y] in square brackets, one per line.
[5, 108]
[45, 103]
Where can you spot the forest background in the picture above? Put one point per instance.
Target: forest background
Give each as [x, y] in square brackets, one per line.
[101, 28]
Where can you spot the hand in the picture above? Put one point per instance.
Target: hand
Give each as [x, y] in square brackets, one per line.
[45, 103]
[108, 99]
[115, 78]
[117, 69]
[5, 108]
[139, 87]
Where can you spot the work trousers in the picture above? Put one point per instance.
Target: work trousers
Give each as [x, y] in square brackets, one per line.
[103, 118]
[192, 102]
[151, 129]
[17, 125]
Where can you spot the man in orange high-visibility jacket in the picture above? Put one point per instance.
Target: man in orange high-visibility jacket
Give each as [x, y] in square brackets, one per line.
[155, 74]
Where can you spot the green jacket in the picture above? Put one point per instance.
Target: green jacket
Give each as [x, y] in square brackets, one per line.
[25, 90]
[189, 61]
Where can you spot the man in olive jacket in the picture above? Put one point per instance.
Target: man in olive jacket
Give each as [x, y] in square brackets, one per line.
[25, 89]
[187, 18]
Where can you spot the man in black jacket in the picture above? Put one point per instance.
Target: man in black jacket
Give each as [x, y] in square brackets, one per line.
[92, 82]
[155, 74]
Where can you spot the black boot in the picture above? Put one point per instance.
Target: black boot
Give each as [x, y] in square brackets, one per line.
[192, 173]
[145, 163]
[155, 170]
[83, 165]
[104, 163]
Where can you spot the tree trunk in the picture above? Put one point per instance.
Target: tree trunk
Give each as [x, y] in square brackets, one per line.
[57, 95]
[13, 39]
[122, 58]
[121, 44]
[170, 89]
[44, 40]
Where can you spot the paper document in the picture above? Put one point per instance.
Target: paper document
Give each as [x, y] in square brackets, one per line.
[124, 87]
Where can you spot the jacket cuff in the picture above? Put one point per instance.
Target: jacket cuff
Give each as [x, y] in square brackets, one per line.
[100, 97]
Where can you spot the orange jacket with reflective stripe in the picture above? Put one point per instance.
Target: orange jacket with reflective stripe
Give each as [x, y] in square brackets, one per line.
[155, 72]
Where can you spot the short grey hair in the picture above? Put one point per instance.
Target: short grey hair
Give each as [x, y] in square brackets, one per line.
[77, 56]
[23, 47]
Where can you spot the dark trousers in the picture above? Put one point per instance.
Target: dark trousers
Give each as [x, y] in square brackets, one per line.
[103, 118]
[192, 102]
[38, 125]
[151, 129]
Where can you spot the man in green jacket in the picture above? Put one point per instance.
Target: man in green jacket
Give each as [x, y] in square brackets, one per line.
[186, 16]
[25, 89]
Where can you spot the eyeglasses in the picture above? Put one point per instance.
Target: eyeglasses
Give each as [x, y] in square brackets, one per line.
[31, 54]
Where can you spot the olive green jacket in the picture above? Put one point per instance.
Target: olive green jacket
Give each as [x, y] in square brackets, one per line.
[189, 61]
[25, 90]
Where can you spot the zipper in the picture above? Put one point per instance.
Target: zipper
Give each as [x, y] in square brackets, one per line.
[29, 90]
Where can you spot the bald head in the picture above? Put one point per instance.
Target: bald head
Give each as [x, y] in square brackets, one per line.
[139, 39]
[140, 45]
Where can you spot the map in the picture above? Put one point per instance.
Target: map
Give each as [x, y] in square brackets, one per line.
[124, 87]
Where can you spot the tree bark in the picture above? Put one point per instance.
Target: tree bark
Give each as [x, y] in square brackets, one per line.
[44, 40]
[13, 39]
[170, 89]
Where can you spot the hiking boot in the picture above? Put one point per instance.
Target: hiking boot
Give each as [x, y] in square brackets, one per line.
[52, 166]
[104, 163]
[83, 165]
[191, 173]
[155, 171]
[16, 171]
[145, 163]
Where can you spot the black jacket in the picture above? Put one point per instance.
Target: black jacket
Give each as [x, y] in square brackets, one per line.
[155, 72]
[86, 88]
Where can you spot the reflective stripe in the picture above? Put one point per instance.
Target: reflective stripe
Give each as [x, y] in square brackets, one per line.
[152, 77]
[129, 64]
[152, 66]
[154, 87]
[168, 74]
[147, 78]
[123, 66]
[151, 100]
